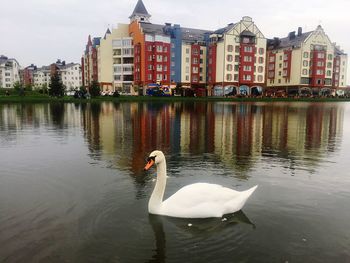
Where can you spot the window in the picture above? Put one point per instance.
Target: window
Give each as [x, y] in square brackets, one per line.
[187, 69]
[285, 64]
[260, 78]
[187, 51]
[320, 63]
[330, 56]
[248, 49]
[285, 73]
[329, 73]
[235, 77]
[159, 58]
[304, 71]
[306, 55]
[320, 55]
[229, 48]
[260, 69]
[247, 77]
[247, 59]
[319, 72]
[229, 58]
[247, 68]
[159, 48]
[159, 67]
[236, 58]
[329, 65]
[229, 77]
[187, 60]
[261, 60]
[229, 67]
[237, 49]
[272, 59]
[261, 51]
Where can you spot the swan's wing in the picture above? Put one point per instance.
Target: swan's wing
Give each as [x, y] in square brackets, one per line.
[201, 200]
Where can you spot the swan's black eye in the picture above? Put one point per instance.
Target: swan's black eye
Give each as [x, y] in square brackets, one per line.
[153, 158]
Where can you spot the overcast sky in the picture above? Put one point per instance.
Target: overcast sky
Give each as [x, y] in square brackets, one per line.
[41, 31]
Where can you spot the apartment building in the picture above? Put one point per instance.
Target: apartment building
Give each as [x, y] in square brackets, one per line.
[116, 60]
[9, 72]
[236, 59]
[305, 64]
[89, 63]
[70, 75]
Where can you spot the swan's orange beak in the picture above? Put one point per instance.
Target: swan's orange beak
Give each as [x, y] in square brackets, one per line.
[149, 164]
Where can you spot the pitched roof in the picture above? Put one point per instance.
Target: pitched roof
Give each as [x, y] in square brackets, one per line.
[224, 29]
[338, 51]
[140, 9]
[191, 34]
[289, 41]
[188, 34]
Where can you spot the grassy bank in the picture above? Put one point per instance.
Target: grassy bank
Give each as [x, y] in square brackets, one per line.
[34, 97]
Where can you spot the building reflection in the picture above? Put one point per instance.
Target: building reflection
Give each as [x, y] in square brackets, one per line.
[236, 134]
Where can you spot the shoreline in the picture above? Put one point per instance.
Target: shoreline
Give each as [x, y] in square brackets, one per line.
[68, 99]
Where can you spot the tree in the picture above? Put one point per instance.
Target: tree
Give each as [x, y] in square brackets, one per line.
[56, 86]
[18, 88]
[95, 89]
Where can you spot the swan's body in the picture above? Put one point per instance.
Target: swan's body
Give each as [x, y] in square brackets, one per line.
[200, 200]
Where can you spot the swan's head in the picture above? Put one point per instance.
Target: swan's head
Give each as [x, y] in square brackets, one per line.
[155, 157]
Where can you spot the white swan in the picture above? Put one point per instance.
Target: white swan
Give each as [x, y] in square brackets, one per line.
[199, 200]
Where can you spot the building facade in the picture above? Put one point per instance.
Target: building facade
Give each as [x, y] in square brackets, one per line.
[116, 60]
[305, 64]
[70, 75]
[89, 62]
[9, 72]
[236, 59]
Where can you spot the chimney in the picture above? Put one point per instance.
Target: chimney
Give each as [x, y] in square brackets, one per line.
[300, 31]
[291, 35]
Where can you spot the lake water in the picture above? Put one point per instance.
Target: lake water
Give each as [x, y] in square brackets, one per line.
[73, 189]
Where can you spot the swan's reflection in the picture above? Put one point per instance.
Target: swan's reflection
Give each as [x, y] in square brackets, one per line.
[199, 227]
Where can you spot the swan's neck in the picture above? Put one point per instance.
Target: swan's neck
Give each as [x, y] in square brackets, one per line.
[158, 192]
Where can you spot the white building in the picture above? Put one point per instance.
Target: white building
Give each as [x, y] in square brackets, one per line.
[9, 72]
[71, 76]
[42, 77]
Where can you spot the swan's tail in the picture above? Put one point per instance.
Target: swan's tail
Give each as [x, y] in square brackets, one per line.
[244, 195]
[249, 192]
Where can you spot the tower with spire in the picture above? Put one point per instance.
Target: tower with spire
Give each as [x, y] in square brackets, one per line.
[140, 13]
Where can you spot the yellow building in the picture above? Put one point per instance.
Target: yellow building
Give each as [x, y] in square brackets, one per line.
[236, 59]
[116, 60]
[303, 64]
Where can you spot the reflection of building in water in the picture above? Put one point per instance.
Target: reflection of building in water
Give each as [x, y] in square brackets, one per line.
[236, 133]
